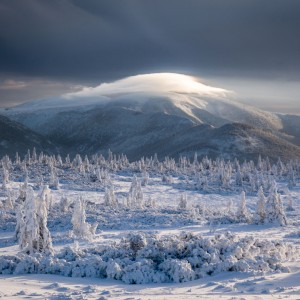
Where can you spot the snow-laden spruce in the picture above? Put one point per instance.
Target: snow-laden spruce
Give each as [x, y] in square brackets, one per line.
[82, 229]
[135, 198]
[243, 215]
[31, 229]
[141, 258]
[260, 212]
[274, 208]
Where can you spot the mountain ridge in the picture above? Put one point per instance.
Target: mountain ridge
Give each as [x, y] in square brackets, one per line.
[128, 120]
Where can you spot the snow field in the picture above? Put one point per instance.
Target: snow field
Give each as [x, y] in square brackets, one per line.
[172, 229]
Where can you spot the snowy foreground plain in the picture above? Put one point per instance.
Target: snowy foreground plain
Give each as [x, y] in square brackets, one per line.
[149, 229]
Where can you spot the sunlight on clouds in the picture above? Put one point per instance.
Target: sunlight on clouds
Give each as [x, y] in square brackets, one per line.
[156, 83]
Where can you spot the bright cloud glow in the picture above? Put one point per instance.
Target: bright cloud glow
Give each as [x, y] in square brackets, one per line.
[156, 83]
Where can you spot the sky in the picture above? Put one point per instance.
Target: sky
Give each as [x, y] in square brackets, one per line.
[51, 47]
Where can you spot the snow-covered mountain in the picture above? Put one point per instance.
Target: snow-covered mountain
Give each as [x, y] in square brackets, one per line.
[164, 113]
[15, 137]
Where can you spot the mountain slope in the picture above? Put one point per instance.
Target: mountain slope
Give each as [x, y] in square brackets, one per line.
[15, 137]
[168, 114]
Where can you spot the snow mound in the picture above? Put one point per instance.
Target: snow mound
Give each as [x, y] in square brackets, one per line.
[141, 258]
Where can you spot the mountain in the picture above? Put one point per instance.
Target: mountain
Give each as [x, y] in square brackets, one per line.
[168, 114]
[15, 137]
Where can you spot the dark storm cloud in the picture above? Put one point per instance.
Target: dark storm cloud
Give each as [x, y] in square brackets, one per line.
[103, 39]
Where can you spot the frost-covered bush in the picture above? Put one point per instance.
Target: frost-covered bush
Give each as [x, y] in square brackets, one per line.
[177, 270]
[141, 258]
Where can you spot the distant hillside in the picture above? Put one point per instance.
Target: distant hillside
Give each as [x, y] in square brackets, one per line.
[15, 137]
[159, 116]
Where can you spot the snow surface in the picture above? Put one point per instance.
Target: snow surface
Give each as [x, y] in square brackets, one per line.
[126, 238]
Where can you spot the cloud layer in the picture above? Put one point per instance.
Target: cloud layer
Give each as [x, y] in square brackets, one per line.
[107, 40]
[157, 83]
[51, 47]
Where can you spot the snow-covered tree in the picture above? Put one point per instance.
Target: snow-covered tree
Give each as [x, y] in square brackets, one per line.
[20, 221]
[34, 155]
[54, 182]
[274, 208]
[32, 231]
[260, 212]
[44, 242]
[22, 192]
[151, 203]
[110, 198]
[135, 194]
[291, 178]
[183, 204]
[45, 194]
[238, 177]
[9, 203]
[230, 211]
[145, 178]
[64, 204]
[243, 214]
[5, 178]
[290, 206]
[81, 228]
[139, 195]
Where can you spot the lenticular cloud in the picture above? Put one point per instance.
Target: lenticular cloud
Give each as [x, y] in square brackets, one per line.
[157, 83]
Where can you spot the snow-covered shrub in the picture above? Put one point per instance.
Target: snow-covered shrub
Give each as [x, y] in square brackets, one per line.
[178, 258]
[177, 270]
[136, 241]
[114, 270]
[274, 208]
